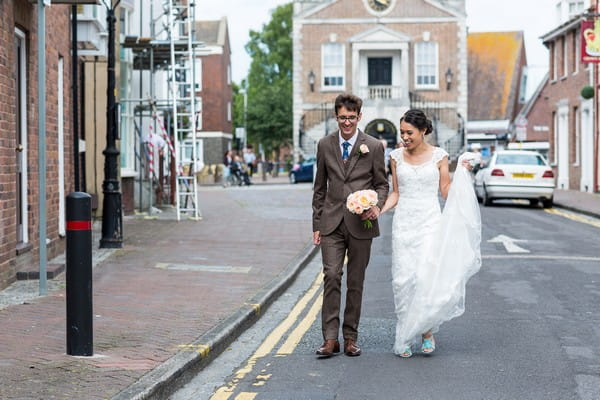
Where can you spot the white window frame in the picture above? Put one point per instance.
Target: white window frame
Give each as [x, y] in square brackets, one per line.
[436, 85]
[24, 128]
[60, 117]
[324, 67]
[228, 111]
[565, 51]
[555, 137]
[578, 10]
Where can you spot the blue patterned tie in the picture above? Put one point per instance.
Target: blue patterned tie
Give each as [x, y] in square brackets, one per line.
[345, 154]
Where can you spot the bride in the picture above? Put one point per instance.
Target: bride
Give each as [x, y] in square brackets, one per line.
[434, 253]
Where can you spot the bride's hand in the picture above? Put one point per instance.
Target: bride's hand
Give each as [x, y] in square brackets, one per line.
[467, 164]
[372, 213]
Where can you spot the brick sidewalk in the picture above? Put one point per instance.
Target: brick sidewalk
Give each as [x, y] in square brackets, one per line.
[155, 297]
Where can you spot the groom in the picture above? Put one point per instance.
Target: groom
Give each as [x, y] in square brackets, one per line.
[347, 161]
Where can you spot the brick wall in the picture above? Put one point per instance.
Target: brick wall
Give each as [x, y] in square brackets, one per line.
[216, 93]
[566, 88]
[22, 14]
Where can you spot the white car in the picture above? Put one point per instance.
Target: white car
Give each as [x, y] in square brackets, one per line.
[516, 174]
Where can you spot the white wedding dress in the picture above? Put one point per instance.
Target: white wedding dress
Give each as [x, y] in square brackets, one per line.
[434, 253]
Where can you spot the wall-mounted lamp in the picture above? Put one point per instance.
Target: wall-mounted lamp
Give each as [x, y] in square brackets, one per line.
[311, 80]
[449, 75]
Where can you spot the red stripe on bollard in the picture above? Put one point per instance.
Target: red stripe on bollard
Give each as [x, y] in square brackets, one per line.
[79, 225]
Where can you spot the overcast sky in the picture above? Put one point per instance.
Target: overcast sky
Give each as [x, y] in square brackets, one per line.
[534, 17]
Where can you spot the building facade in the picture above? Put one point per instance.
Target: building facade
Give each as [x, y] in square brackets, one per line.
[393, 54]
[19, 175]
[497, 87]
[214, 90]
[569, 116]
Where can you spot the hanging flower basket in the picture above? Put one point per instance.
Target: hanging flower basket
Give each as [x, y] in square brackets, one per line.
[587, 92]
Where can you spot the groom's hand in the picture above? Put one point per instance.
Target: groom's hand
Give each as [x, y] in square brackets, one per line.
[317, 238]
[372, 213]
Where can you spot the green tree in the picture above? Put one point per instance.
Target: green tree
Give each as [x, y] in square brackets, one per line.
[269, 102]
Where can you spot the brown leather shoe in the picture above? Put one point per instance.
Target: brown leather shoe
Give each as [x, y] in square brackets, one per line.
[351, 348]
[329, 348]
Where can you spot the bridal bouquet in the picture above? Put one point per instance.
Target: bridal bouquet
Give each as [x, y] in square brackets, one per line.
[360, 201]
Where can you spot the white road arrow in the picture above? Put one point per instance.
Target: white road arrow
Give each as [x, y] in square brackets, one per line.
[509, 244]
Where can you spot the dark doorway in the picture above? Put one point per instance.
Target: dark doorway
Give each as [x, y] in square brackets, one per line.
[383, 129]
[380, 71]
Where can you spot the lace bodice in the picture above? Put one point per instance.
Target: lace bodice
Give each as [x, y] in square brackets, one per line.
[418, 182]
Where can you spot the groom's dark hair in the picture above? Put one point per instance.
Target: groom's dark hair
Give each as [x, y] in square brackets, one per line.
[349, 101]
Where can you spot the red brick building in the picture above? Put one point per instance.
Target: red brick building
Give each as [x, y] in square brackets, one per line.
[569, 116]
[19, 197]
[395, 55]
[214, 90]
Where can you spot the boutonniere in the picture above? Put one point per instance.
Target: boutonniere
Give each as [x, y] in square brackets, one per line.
[363, 149]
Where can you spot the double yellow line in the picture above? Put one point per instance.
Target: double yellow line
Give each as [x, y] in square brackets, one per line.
[267, 346]
[574, 217]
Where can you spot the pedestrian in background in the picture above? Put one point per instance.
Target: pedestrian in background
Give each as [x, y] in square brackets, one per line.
[250, 159]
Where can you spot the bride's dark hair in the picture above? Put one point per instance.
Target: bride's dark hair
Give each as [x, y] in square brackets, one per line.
[418, 119]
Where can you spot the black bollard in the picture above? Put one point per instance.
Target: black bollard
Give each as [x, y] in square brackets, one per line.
[79, 275]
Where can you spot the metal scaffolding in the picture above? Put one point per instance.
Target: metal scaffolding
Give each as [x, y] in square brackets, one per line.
[169, 54]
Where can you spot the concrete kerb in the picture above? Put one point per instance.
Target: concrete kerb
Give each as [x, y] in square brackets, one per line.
[578, 210]
[183, 366]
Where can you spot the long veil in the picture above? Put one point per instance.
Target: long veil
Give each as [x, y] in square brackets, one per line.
[453, 258]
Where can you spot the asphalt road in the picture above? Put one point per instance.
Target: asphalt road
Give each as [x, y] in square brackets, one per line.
[531, 329]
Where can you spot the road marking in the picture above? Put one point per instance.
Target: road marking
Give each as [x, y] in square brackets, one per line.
[509, 243]
[294, 338]
[574, 217]
[255, 306]
[246, 396]
[204, 268]
[224, 392]
[541, 257]
[202, 349]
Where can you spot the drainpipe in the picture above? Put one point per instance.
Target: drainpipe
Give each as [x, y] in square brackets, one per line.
[42, 143]
[596, 121]
[75, 87]
[596, 127]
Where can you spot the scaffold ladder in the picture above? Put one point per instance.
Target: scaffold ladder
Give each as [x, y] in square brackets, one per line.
[182, 92]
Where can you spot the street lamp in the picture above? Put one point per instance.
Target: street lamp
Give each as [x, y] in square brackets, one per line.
[449, 75]
[112, 213]
[311, 80]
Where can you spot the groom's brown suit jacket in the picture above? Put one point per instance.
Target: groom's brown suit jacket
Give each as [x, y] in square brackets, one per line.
[336, 179]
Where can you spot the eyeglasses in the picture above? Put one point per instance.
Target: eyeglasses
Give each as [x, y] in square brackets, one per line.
[343, 118]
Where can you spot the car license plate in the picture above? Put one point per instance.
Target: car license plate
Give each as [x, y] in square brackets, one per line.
[522, 175]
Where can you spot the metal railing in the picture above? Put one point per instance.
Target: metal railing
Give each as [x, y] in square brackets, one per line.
[377, 92]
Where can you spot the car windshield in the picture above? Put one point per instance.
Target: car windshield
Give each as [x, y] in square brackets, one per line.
[522, 159]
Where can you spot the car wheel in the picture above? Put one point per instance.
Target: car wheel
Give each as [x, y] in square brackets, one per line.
[487, 201]
[293, 178]
[534, 202]
[548, 203]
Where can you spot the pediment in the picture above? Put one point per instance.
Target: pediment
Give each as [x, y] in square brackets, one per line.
[351, 9]
[379, 34]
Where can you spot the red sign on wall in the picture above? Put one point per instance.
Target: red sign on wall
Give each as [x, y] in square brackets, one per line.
[590, 41]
